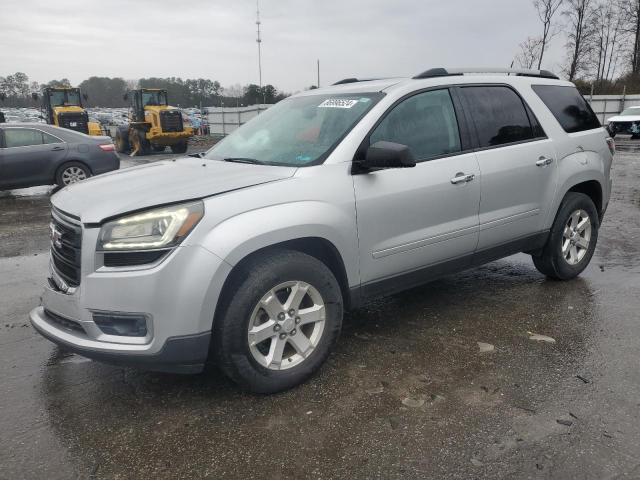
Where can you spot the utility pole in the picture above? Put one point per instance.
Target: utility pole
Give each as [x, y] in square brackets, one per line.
[259, 42]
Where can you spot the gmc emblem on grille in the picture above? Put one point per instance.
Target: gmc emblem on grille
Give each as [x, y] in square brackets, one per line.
[56, 236]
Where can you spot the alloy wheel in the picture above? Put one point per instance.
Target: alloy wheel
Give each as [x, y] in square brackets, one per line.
[576, 237]
[72, 175]
[286, 325]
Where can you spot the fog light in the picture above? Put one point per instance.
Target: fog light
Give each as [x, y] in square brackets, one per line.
[122, 324]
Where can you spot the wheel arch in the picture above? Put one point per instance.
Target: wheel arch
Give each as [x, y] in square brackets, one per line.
[582, 175]
[593, 190]
[317, 247]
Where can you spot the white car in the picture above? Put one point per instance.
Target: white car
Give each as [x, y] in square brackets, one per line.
[627, 122]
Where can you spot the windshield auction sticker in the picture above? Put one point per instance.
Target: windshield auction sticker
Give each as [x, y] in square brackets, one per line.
[338, 103]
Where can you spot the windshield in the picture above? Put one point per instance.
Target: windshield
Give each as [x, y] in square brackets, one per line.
[154, 98]
[630, 111]
[63, 98]
[296, 131]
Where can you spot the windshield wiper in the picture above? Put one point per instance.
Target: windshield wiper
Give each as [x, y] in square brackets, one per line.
[243, 160]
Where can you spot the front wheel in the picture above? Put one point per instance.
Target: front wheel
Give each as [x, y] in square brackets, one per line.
[282, 317]
[572, 239]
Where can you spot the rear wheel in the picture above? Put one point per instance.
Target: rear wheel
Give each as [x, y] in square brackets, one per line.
[572, 239]
[157, 148]
[281, 322]
[179, 147]
[72, 172]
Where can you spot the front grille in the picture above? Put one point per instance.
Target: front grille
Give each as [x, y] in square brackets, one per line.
[66, 250]
[64, 322]
[171, 121]
[78, 121]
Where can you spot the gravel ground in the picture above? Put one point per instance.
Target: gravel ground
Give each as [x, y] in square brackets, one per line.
[409, 393]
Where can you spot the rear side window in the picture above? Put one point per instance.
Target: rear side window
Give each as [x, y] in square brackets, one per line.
[46, 138]
[499, 115]
[425, 122]
[22, 137]
[569, 107]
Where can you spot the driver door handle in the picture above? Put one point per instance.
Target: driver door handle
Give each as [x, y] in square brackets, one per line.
[57, 149]
[462, 178]
[544, 161]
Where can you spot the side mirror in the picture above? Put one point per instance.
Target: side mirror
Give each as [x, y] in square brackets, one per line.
[388, 155]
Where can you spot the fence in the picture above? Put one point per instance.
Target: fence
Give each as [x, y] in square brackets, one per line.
[224, 120]
[606, 106]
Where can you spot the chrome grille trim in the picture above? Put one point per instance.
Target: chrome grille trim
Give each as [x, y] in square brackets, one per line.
[66, 250]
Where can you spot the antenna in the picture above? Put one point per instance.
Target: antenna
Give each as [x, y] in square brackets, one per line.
[259, 42]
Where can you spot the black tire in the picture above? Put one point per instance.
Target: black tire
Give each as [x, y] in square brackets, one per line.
[551, 261]
[243, 292]
[157, 148]
[139, 143]
[65, 169]
[122, 140]
[180, 147]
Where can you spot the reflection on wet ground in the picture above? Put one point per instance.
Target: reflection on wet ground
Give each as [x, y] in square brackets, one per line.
[407, 394]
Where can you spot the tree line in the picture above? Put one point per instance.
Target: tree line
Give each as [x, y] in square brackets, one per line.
[16, 90]
[602, 43]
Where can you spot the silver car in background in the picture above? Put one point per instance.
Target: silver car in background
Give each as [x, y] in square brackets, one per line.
[249, 256]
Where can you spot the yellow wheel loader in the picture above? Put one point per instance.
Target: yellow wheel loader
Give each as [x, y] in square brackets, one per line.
[153, 124]
[63, 107]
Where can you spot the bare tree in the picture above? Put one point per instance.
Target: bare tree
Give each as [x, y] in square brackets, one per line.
[631, 12]
[529, 53]
[609, 22]
[546, 11]
[579, 15]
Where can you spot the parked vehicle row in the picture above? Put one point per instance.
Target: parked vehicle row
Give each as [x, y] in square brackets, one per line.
[249, 255]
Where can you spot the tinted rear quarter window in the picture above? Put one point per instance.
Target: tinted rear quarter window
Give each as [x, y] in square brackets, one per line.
[569, 107]
[499, 115]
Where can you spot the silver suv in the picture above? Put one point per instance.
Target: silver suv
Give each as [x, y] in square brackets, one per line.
[249, 254]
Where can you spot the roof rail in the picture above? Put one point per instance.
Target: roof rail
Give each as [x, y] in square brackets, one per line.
[447, 72]
[355, 80]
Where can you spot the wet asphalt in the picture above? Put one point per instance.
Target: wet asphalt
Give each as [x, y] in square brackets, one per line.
[407, 393]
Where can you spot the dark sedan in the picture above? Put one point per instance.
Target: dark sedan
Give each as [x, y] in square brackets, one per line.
[37, 154]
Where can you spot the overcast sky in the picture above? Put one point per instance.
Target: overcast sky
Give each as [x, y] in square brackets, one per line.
[215, 39]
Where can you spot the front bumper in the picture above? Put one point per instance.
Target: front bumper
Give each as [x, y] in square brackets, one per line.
[177, 296]
[184, 354]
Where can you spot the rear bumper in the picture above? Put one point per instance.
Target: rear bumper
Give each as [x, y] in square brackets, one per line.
[169, 138]
[181, 354]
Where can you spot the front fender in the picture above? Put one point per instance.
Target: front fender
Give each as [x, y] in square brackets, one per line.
[239, 236]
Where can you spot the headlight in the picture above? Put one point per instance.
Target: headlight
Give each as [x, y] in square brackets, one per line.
[158, 228]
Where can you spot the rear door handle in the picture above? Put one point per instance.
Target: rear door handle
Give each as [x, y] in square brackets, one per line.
[462, 178]
[57, 149]
[544, 161]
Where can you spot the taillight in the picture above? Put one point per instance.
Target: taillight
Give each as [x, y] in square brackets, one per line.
[109, 147]
[612, 145]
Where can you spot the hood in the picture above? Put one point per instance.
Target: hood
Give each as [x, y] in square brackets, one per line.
[159, 183]
[624, 118]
